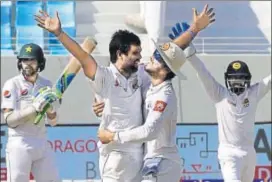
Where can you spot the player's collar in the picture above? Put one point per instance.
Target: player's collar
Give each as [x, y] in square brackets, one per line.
[22, 77]
[158, 87]
[117, 73]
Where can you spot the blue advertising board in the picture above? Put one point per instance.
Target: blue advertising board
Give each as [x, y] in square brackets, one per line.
[77, 155]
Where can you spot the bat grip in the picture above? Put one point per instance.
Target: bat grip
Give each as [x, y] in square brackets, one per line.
[41, 114]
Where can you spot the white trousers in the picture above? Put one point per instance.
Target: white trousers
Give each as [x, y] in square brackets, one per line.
[120, 167]
[237, 165]
[30, 155]
[169, 171]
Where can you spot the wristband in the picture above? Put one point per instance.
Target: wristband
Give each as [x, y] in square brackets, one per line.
[192, 34]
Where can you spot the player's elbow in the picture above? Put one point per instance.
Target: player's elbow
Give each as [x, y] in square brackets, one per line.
[10, 121]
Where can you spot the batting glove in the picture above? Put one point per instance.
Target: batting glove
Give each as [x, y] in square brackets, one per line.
[44, 96]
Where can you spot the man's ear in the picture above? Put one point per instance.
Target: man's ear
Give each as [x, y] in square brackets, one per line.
[118, 54]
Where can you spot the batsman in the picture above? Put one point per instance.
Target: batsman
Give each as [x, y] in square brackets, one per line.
[24, 97]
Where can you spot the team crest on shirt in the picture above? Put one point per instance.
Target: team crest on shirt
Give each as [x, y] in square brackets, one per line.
[6, 94]
[117, 84]
[135, 84]
[160, 106]
[246, 102]
[24, 92]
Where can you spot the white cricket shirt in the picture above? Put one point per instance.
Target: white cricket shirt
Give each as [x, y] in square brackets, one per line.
[123, 103]
[159, 129]
[18, 93]
[235, 114]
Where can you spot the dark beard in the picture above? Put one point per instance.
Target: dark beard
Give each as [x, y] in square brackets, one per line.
[131, 69]
[29, 72]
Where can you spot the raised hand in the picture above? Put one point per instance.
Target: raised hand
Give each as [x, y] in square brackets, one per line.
[51, 24]
[205, 18]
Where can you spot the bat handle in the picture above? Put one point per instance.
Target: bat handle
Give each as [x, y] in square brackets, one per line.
[41, 114]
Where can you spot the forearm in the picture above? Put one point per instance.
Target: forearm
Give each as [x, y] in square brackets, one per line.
[74, 48]
[139, 134]
[184, 39]
[14, 118]
[212, 87]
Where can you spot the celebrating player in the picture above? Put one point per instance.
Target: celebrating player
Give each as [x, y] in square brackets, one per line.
[27, 148]
[161, 161]
[120, 86]
[236, 105]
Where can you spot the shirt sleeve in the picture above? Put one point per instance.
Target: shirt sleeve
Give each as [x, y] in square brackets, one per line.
[9, 95]
[101, 81]
[214, 89]
[155, 118]
[263, 87]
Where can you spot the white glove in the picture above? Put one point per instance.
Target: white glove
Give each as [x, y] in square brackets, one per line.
[190, 50]
[43, 97]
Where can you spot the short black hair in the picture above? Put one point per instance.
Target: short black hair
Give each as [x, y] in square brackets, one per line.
[122, 40]
[170, 75]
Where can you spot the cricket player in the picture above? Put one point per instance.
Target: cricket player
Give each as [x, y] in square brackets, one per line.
[162, 161]
[23, 97]
[236, 105]
[120, 84]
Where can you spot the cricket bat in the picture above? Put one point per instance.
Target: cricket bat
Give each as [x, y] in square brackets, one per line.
[68, 74]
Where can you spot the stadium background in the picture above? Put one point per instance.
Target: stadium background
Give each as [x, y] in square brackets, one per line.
[242, 31]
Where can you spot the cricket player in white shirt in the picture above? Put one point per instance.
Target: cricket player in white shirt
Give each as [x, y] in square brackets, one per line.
[120, 84]
[236, 106]
[162, 161]
[24, 96]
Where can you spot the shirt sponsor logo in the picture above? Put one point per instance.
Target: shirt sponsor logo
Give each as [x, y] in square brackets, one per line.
[24, 92]
[6, 94]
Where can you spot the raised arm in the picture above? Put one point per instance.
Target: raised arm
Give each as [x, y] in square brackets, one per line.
[200, 22]
[53, 25]
[263, 87]
[214, 89]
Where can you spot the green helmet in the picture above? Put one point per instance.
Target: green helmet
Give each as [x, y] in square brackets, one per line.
[31, 51]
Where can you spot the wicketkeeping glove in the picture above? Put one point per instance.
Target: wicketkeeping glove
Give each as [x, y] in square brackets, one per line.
[178, 29]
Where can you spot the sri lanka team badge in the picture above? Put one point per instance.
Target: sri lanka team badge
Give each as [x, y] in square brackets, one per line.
[160, 106]
[165, 46]
[6, 94]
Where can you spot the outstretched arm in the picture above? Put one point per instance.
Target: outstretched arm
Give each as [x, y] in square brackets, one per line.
[200, 22]
[263, 87]
[214, 89]
[149, 131]
[53, 25]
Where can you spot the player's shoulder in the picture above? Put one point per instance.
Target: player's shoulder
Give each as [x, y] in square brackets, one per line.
[45, 81]
[167, 93]
[12, 80]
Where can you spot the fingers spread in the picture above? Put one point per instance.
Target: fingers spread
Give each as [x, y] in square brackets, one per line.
[212, 20]
[195, 12]
[44, 13]
[210, 11]
[39, 19]
[205, 8]
[212, 15]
